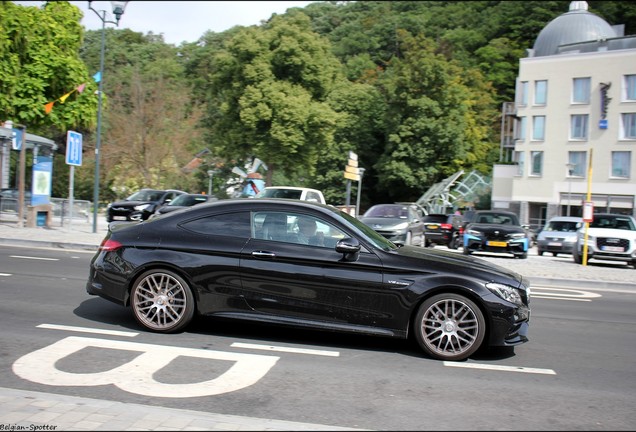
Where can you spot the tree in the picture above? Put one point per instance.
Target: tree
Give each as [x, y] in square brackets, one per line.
[437, 124]
[39, 64]
[268, 96]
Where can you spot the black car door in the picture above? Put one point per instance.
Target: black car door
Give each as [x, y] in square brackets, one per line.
[306, 282]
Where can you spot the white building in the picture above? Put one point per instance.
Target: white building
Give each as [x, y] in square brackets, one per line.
[572, 128]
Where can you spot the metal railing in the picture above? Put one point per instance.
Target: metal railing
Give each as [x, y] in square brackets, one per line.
[62, 214]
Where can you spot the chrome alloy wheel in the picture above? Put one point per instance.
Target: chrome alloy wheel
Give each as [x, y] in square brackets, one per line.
[451, 327]
[162, 301]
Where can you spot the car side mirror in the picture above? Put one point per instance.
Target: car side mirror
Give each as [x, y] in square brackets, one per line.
[349, 248]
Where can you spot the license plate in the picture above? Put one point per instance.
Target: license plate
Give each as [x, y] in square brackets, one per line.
[554, 244]
[119, 217]
[613, 249]
[432, 227]
[497, 243]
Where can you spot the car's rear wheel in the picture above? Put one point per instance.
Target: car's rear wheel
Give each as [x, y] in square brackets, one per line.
[162, 301]
[449, 327]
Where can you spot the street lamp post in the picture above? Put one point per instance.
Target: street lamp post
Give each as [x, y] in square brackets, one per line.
[570, 167]
[361, 172]
[210, 175]
[118, 11]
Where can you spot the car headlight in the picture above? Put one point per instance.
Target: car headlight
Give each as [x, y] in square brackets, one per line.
[402, 226]
[517, 235]
[474, 232]
[506, 292]
[142, 207]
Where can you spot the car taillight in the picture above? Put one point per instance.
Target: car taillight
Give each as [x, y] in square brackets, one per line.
[109, 245]
[447, 226]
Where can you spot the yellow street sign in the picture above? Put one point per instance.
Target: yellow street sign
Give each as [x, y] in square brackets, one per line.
[351, 176]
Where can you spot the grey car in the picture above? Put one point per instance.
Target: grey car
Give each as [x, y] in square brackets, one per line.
[558, 235]
[401, 223]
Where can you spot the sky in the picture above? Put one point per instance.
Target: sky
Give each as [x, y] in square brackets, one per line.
[181, 21]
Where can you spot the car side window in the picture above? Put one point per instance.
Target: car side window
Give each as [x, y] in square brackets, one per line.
[227, 224]
[295, 228]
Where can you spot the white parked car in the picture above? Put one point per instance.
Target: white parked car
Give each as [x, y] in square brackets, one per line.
[291, 192]
[610, 237]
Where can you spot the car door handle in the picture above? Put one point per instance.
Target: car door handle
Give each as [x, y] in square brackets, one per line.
[263, 254]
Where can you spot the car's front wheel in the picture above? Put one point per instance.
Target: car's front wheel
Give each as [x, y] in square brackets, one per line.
[162, 301]
[449, 327]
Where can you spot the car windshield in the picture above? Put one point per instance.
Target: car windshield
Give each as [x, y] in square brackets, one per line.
[563, 226]
[611, 221]
[436, 218]
[497, 218]
[280, 193]
[145, 195]
[388, 211]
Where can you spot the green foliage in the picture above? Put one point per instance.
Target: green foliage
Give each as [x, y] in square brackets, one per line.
[39, 63]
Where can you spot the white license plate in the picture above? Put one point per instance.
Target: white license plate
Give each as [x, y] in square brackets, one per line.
[119, 217]
[554, 244]
[613, 249]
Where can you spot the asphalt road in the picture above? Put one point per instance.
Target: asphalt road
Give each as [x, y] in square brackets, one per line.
[576, 373]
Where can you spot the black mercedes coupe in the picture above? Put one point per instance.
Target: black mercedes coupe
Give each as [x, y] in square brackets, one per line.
[306, 265]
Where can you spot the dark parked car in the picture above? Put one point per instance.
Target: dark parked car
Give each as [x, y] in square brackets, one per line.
[443, 229]
[140, 205]
[184, 201]
[400, 223]
[496, 231]
[244, 259]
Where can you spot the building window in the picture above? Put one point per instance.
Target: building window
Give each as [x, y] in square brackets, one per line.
[577, 161]
[521, 129]
[538, 128]
[630, 88]
[540, 92]
[581, 91]
[621, 164]
[537, 163]
[628, 126]
[522, 95]
[578, 127]
[519, 158]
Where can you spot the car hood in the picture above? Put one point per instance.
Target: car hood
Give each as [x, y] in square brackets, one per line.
[609, 232]
[504, 229]
[382, 223]
[460, 264]
[169, 208]
[125, 203]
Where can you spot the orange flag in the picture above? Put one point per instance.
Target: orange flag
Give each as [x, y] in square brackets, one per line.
[48, 107]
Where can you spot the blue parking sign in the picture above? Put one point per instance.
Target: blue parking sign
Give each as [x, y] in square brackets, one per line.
[73, 148]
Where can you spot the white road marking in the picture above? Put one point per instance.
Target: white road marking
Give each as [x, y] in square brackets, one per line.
[137, 376]
[563, 294]
[6, 274]
[501, 368]
[286, 349]
[33, 258]
[87, 330]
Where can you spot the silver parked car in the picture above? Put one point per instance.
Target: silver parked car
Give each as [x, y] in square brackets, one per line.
[558, 235]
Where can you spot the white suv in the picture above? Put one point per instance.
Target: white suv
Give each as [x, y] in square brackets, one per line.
[610, 237]
[291, 192]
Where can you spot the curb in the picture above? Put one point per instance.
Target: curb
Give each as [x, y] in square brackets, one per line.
[49, 244]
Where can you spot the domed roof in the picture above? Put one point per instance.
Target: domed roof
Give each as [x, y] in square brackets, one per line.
[577, 25]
